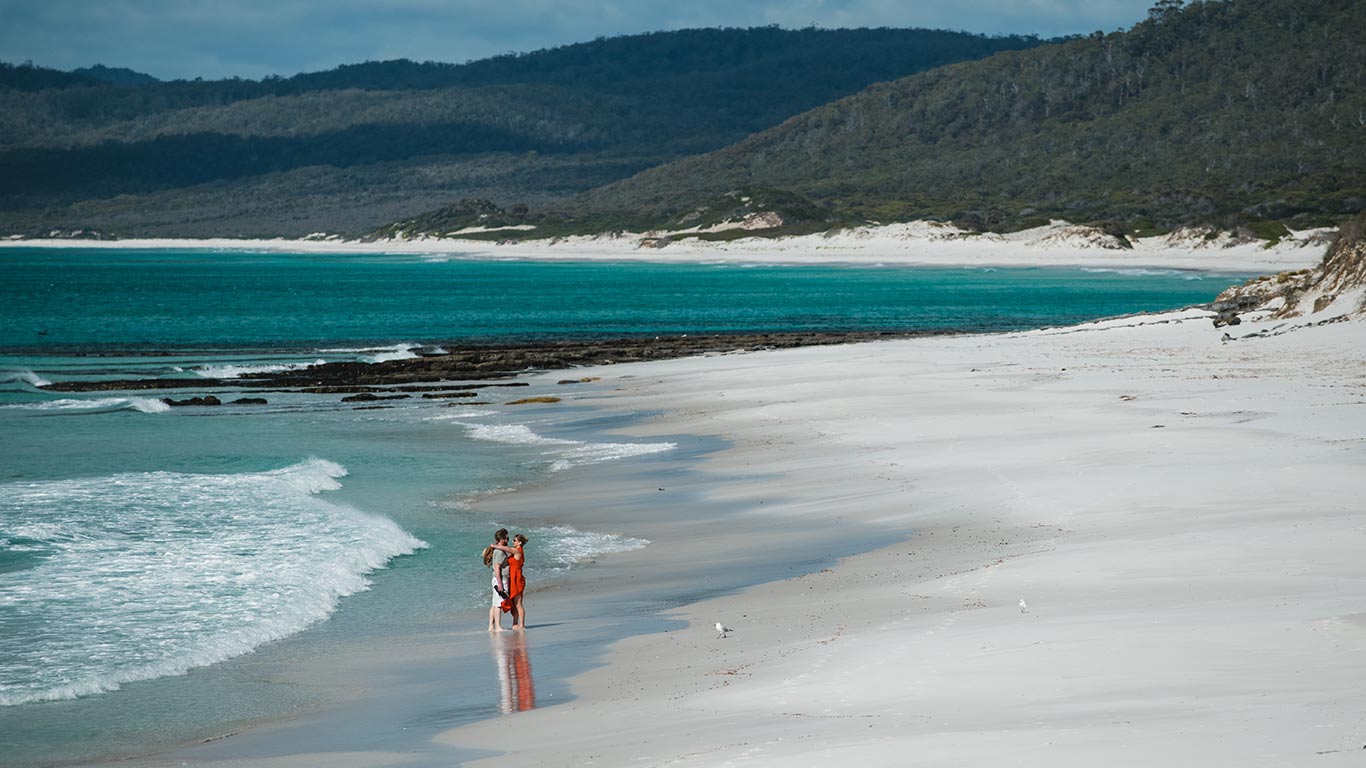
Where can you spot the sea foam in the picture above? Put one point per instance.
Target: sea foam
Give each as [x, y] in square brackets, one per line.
[23, 377]
[564, 453]
[96, 405]
[1184, 274]
[144, 575]
[378, 355]
[230, 371]
[561, 547]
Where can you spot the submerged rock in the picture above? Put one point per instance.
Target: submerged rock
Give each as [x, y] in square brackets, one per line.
[205, 400]
[366, 397]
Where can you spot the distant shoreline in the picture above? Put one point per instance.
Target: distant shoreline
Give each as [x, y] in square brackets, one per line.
[912, 244]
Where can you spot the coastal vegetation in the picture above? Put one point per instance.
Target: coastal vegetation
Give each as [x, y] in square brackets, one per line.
[355, 147]
[1233, 113]
[1223, 115]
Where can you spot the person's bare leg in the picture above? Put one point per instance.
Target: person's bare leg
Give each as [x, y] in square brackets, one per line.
[495, 619]
[518, 614]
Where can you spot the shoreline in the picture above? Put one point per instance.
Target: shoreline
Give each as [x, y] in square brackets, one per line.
[564, 641]
[1139, 481]
[915, 244]
[1149, 506]
[791, 456]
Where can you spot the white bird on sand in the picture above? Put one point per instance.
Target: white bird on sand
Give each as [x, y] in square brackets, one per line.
[1023, 608]
[723, 629]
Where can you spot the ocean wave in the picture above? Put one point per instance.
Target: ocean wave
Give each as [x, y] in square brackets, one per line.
[96, 405]
[399, 352]
[155, 573]
[230, 371]
[1185, 274]
[23, 377]
[377, 354]
[566, 453]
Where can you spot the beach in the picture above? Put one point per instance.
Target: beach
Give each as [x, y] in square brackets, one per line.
[1130, 541]
[918, 243]
[1181, 515]
[862, 383]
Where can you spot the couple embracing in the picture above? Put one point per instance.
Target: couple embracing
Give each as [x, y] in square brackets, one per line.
[508, 582]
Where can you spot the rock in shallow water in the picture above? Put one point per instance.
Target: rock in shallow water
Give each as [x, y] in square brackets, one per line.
[205, 400]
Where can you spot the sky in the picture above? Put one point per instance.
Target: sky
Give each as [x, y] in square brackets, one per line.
[213, 39]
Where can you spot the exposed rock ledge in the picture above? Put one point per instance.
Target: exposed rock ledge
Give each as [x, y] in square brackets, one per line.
[1338, 284]
[485, 362]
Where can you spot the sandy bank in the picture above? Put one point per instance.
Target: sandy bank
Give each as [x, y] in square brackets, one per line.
[1182, 515]
[917, 243]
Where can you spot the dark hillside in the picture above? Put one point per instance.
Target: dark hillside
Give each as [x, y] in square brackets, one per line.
[354, 147]
[1226, 112]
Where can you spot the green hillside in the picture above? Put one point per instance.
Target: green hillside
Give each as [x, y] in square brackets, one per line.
[354, 147]
[1216, 112]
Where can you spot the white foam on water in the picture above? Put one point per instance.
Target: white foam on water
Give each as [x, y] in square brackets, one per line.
[23, 377]
[229, 371]
[1185, 274]
[458, 414]
[564, 453]
[150, 574]
[397, 352]
[560, 547]
[96, 405]
[377, 354]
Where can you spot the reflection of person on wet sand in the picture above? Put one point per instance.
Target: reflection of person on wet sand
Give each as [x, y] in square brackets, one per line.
[517, 691]
[516, 583]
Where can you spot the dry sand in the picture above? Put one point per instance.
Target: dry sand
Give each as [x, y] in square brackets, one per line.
[914, 243]
[1183, 516]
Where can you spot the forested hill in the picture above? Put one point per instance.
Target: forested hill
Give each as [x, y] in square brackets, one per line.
[1221, 112]
[349, 149]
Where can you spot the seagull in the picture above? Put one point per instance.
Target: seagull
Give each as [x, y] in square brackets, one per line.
[723, 629]
[1023, 608]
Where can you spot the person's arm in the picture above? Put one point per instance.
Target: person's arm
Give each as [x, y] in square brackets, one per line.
[508, 550]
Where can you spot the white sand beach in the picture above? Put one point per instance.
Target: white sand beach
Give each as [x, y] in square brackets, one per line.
[1179, 508]
[1182, 515]
[914, 243]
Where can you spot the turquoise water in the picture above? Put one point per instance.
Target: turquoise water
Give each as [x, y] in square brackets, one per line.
[141, 546]
[175, 300]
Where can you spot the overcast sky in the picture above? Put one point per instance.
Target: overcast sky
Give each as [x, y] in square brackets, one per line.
[255, 38]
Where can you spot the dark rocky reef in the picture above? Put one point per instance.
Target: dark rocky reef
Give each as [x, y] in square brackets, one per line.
[370, 397]
[205, 400]
[472, 363]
